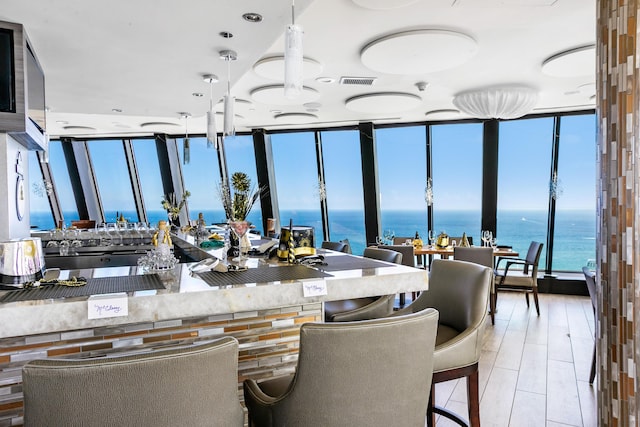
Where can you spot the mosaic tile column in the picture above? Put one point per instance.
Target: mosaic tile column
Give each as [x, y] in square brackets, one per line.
[618, 251]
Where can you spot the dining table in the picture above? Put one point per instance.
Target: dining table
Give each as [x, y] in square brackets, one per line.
[446, 252]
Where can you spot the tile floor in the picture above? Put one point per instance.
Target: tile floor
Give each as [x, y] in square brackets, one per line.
[534, 371]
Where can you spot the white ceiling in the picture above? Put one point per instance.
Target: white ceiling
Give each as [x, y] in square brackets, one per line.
[147, 58]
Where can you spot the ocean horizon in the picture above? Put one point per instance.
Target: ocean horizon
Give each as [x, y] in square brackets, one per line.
[574, 241]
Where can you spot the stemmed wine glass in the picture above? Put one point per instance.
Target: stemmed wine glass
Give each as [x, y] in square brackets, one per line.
[388, 236]
[487, 235]
[432, 237]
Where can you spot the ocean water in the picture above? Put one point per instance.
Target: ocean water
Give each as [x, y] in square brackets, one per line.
[574, 242]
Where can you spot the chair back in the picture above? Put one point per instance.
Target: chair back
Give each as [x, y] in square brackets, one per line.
[590, 278]
[408, 257]
[195, 385]
[366, 373]
[383, 255]
[459, 290]
[482, 256]
[533, 254]
[401, 240]
[335, 246]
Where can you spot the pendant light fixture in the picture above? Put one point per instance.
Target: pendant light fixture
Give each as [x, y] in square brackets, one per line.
[229, 101]
[186, 149]
[212, 137]
[293, 57]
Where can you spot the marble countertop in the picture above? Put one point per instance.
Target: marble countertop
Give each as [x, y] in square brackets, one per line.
[186, 295]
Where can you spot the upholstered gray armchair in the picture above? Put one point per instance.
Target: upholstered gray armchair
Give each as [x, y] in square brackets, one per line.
[482, 256]
[366, 373]
[459, 290]
[194, 386]
[367, 307]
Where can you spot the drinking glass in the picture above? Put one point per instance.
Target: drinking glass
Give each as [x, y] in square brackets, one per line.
[432, 237]
[240, 229]
[486, 237]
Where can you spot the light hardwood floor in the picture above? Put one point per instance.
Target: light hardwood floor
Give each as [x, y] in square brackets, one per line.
[534, 371]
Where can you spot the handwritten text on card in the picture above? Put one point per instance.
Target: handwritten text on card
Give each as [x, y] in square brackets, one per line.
[314, 289]
[108, 305]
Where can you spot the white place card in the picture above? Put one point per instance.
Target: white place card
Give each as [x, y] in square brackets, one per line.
[108, 305]
[314, 288]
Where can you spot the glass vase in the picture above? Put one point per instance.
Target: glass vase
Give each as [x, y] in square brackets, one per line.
[240, 229]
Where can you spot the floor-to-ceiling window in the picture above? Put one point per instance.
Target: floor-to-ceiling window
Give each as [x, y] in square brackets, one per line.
[62, 182]
[296, 171]
[402, 177]
[457, 179]
[39, 190]
[343, 187]
[241, 158]
[575, 221]
[114, 183]
[146, 157]
[202, 179]
[524, 167]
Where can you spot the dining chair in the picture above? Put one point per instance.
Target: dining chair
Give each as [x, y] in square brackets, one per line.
[362, 373]
[195, 385]
[367, 307]
[590, 278]
[335, 246]
[524, 279]
[402, 241]
[459, 290]
[482, 256]
[408, 259]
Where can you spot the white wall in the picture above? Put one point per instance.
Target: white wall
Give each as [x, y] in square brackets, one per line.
[10, 227]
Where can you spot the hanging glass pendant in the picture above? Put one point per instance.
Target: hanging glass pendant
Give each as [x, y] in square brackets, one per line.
[293, 61]
[186, 145]
[212, 138]
[229, 102]
[186, 151]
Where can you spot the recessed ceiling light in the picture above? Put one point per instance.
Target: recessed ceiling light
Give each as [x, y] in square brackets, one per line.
[116, 110]
[252, 17]
[62, 122]
[225, 34]
[325, 80]
[198, 94]
[276, 111]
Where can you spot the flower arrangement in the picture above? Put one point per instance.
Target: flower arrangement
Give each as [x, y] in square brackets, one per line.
[238, 205]
[171, 205]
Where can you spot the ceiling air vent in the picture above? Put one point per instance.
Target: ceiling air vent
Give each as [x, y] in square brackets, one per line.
[362, 81]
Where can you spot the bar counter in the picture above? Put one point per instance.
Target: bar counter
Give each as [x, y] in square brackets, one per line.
[264, 317]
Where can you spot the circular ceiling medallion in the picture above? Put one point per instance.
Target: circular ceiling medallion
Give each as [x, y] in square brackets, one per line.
[221, 114]
[272, 68]
[418, 51]
[383, 102]
[580, 61]
[445, 113]
[295, 118]
[587, 89]
[80, 128]
[241, 105]
[383, 4]
[157, 124]
[274, 95]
